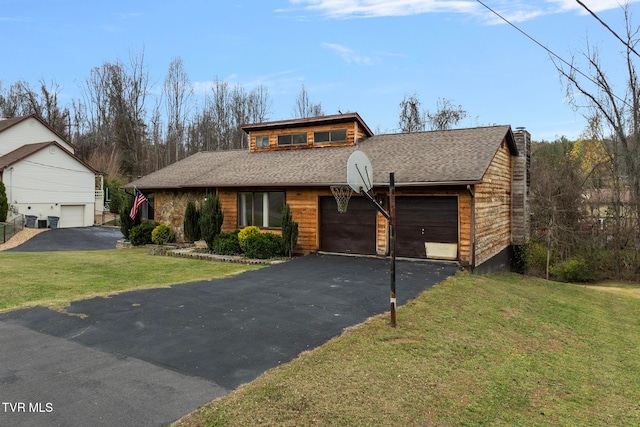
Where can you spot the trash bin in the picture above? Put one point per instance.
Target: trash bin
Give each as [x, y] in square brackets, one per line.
[53, 221]
[42, 223]
[31, 221]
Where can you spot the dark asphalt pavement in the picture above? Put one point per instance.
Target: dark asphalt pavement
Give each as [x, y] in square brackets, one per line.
[72, 239]
[149, 357]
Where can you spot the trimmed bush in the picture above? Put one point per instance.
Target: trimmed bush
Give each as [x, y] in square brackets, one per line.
[163, 234]
[575, 270]
[192, 222]
[263, 245]
[246, 232]
[211, 218]
[227, 244]
[289, 231]
[141, 234]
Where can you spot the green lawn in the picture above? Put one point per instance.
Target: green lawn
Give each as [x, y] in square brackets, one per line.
[57, 278]
[499, 350]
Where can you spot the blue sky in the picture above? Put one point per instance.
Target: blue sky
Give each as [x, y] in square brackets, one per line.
[351, 55]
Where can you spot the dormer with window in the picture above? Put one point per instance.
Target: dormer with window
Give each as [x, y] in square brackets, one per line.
[313, 132]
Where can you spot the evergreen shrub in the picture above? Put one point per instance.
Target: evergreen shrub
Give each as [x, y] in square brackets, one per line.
[263, 246]
[245, 233]
[289, 231]
[211, 218]
[163, 234]
[192, 222]
[574, 270]
[141, 234]
[4, 203]
[227, 244]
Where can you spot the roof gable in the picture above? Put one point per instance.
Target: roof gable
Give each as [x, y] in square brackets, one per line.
[10, 122]
[27, 150]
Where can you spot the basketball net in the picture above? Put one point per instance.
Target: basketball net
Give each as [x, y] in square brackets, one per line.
[342, 193]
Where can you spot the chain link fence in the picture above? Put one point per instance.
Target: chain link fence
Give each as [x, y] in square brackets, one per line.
[10, 228]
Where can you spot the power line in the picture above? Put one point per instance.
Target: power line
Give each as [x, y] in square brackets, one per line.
[550, 51]
[608, 28]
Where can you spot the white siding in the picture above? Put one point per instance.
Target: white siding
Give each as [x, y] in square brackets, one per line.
[29, 131]
[45, 181]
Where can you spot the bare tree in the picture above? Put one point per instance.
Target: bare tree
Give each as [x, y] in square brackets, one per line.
[556, 199]
[304, 108]
[115, 96]
[592, 91]
[20, 99]
[412, 118]
[446, 116]
[177, 94]
[259, 105]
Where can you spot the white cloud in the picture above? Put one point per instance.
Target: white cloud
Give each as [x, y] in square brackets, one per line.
[377, 8]
[593, 5]
[514, 11]
[348, 55]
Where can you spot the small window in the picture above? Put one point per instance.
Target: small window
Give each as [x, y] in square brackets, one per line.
[262, 141]
[337, 135]
[147, 211]
[292, 139]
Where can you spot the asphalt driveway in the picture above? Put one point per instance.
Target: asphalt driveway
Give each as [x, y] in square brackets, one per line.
[72, 239]
[148, 357]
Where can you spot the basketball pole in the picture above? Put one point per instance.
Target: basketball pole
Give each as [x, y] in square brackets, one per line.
[391, 217]
[392, 244]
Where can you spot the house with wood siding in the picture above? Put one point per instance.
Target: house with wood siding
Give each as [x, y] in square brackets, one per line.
[455, 189]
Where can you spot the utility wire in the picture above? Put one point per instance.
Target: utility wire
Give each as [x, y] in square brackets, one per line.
[608, 28]
[549, 51]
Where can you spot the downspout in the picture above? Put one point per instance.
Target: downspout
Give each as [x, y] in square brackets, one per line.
[472, 232]
[10, 197]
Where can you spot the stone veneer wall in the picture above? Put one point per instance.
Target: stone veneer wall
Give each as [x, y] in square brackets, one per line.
[170, 206]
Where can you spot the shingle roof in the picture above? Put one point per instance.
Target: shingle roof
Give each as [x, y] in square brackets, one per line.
[427, 158]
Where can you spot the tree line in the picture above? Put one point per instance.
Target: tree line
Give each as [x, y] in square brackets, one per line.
[123, 126]
[121, 129]
[585, 194]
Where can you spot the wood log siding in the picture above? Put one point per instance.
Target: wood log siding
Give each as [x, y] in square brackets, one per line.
[354, 133]
[464, 219]
[493, 208]
[304, 203]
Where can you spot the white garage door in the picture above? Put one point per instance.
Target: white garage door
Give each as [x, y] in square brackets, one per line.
[71, 216]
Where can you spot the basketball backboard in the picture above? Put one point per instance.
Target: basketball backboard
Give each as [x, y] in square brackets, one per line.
[359, 172]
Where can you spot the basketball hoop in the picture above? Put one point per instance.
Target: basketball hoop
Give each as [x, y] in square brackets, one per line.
[342, 193]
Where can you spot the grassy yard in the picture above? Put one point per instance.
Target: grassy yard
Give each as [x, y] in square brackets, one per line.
[475, 350]
[57, 278]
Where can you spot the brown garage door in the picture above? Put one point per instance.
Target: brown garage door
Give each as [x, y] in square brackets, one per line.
[352, 232]
[425, 219]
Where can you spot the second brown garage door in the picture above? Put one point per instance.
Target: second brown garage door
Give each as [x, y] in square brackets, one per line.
[425, 219]
[352, 232]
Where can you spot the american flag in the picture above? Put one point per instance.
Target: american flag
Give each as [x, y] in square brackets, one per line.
[137, 202]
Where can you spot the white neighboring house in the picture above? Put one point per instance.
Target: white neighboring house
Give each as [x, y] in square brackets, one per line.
[43, 177]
